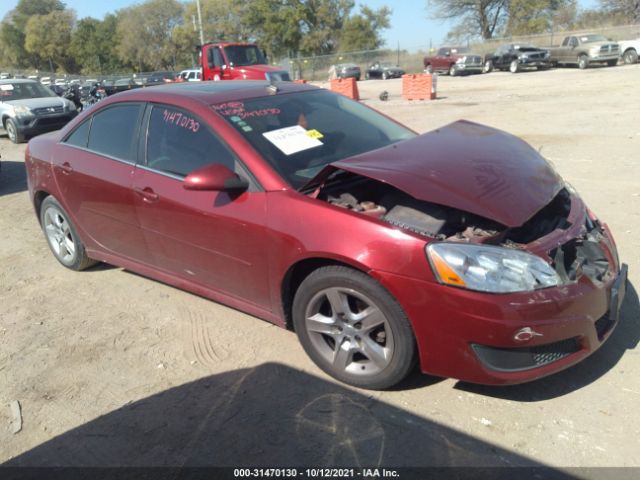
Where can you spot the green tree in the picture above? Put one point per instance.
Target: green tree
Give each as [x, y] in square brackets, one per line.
[13, 32]
[94, 45]
[626, 10]
[49, 36]
[146, 34]
[533, 16]
[276, 25]
[483, 18]
[363, 31]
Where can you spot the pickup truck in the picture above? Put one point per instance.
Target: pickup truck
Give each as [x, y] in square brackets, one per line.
[237, 61]
[629, 50]
[454, 61]
[583, 50]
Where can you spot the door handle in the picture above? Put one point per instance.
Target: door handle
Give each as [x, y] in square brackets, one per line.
[147, 194]
[66, 168]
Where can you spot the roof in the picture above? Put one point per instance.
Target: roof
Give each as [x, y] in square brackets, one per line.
[211, 92]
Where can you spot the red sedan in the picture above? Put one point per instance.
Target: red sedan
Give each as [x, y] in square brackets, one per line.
[460, 249]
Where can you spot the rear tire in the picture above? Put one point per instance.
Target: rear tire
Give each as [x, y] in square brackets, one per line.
[385, 76]
[353, 328]
[62, 237]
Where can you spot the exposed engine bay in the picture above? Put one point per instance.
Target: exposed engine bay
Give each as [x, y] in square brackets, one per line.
[389, 204]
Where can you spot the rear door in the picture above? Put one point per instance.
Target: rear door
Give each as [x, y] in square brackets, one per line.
[95, 178]
[215, 239]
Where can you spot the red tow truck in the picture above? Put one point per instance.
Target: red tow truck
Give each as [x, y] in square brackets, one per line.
[237, 61]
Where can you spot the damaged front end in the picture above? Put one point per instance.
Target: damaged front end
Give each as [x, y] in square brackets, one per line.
[563, 233]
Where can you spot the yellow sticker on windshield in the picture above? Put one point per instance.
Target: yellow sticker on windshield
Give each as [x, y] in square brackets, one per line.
[314, 134]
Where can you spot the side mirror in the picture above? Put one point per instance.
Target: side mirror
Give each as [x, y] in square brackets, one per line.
[215, 177]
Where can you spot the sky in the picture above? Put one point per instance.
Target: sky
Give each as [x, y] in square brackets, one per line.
[411, 26]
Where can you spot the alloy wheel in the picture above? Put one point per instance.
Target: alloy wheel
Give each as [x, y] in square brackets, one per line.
[349, 331]
[59, 235]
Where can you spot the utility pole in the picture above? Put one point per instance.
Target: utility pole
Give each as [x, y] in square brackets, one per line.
[200, 22]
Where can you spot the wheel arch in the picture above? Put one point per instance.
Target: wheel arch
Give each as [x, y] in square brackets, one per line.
[300, 270]
[38, 198]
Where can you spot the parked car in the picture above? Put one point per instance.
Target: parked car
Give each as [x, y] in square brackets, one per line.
[5, 75]
[516, 57]
[629, 50]
[460, 248]
[46, 81]
[121, 85]
[345, 70]
[584, 50]
[191, 75]
[159, 78]
[454, 61]
[29, 108]
[383, 70]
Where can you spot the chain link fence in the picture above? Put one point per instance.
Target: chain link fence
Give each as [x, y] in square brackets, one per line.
[317, 68]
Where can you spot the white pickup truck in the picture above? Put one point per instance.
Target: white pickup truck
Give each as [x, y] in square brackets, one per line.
[629, 50]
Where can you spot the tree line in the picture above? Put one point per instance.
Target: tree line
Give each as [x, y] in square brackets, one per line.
[488, 19]
[162, 34]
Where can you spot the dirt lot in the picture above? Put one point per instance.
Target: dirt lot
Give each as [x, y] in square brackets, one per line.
[111, 368]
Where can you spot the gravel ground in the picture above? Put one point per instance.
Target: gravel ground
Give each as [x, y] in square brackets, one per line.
[110, 368]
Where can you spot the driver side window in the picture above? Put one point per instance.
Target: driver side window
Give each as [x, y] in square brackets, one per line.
[178, 143]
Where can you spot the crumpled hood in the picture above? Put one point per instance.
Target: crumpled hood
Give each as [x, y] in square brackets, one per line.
[463, 165]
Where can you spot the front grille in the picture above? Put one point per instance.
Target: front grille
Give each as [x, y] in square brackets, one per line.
[473, 60]
[278, 76]
[48, 110]
[58, 121]
[518, 359]
[603, 325]
[611, 48]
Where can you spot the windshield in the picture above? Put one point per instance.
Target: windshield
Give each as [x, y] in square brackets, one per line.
[243, 55]
[593, 38]
[299, 134]
[21, 91]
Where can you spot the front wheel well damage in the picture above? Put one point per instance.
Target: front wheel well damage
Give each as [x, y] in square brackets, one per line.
[296, 275]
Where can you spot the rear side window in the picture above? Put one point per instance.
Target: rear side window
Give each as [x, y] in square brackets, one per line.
[179, 142]
[80, 135]
[113, 131]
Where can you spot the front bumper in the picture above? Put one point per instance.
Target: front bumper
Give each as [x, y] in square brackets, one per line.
[31, 126]
[535, 63]
[469, 68]
[604, 58]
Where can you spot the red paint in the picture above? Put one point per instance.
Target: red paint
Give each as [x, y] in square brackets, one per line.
[236, 248]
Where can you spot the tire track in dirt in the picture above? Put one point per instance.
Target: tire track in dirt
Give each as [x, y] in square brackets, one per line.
[200, 342]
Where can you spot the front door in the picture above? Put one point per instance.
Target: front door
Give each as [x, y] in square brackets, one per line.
[215, 239]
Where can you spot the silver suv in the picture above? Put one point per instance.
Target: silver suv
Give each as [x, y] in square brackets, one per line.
[28, 108]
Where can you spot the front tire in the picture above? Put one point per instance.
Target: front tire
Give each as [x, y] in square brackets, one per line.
[488, 67]
[62, 236]
[353, 329]
[453, 70]
[583, 62]
[514, 66]
[429, 69]
[385, 76]
[12, 131]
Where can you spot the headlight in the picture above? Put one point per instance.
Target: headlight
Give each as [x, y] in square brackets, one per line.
[594, 50]
[489, 269]
[547, 54]
[71, 106]
[22, 111]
